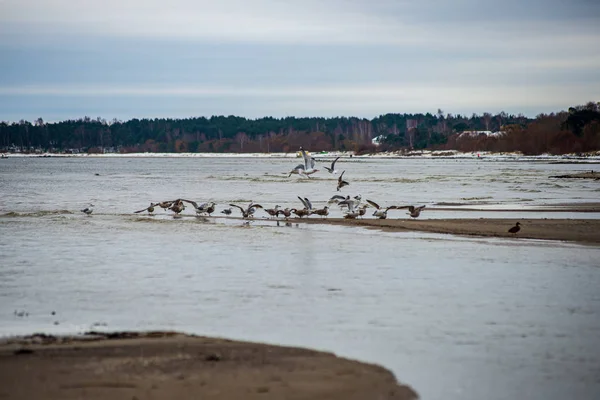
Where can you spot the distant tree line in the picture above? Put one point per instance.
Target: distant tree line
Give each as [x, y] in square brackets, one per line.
[575, 130]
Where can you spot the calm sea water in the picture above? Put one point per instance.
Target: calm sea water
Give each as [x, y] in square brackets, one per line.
[454, 317]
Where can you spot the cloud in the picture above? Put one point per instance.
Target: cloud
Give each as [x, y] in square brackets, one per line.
[417, 95]
[336, 56]
[434, 23]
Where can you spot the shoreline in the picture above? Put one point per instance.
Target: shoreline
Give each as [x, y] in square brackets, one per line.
[168, 365]
[587, 158]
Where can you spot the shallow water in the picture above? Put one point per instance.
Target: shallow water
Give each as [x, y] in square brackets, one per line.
[453, 317]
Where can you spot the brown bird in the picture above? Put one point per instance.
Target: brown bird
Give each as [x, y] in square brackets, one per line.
[362, 210]
[515, 228]
[341, 182]
[150, 209]
[165, 205]
[273, 212]
[177, 207]
[286, 213]
[303, 212]
[323, 212]
[351, 215]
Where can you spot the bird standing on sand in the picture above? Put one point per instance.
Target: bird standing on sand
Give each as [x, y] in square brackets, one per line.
[351, 215]
[273, 212]
[301, 212]
[341, 182]
[323, 212]
[362, 210]
[88, 210]
[286, 213]
[515, 228]
[150, 209]
[177, 207]
[332, 169]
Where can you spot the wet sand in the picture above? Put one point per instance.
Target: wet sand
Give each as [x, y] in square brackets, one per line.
[576, 230]
[167, 365]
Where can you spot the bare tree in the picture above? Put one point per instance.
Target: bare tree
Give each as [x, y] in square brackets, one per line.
[487, 118]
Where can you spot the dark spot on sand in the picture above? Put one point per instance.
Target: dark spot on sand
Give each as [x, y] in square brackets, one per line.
[23, 351]
[213, 357]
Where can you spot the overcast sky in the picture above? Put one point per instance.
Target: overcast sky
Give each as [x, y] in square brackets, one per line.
[62, 59]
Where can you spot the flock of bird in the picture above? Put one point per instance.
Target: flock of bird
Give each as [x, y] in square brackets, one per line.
[353, 207]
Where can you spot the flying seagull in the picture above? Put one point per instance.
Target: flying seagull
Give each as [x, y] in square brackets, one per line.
[150, 209]
[204, 208]
[332, 169]
[306, 202]
[165, 205]
[350, 203]
[337, 198]
[341, 182]
[249, 211]
[380, 212]
[415, 211]
[305, 169]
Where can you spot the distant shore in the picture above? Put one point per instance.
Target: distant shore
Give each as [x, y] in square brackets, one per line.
[593, 157]
[169, 365]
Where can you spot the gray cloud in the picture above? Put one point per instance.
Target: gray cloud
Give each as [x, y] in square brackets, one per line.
[355, 56]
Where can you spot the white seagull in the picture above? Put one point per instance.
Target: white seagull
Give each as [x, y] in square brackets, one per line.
[380, 212]
[88, 210]
[306, 202]
[337, 198]
[305, 169]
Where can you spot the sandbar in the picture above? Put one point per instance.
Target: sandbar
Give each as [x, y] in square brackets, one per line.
[171, 365]
[585, 231]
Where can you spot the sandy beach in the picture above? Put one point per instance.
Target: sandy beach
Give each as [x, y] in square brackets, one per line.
[575, 230]
[168, 365]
